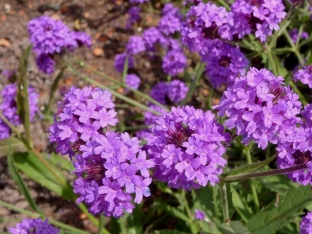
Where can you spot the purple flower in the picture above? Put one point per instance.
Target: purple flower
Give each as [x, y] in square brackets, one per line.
[138, 1]
[170, 9]
[260, 17]
[81, 117]
[133, 16]
[151, 36]
[120, 60]
[306, 224]
[307, 116]
[224, 63]
[9, 108]
[149, 117]
[174, 62]
[188, 148]
[200, 215]
[35, 226]
[10, 74]
[260, 107]
[169, 24]
[294, 35]
[135, 45]
[132, 81]
[45, 63]
[304, 75]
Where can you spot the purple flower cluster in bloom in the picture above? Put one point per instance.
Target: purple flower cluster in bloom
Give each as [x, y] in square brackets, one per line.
[304, 75]
[135, 45]
[187, 148]
[171, 20]
[151, 36]
[200, 215]
[260, 107]
[9, 108]
[256, 16]
[224, 63]
[120, 60]
[306, 224]
[138, 1]
[175, 90]
[34, 226]
[110, 166]
[50, 37]
[133, 16]
[174, 62]
[294, 35]
[132, 81]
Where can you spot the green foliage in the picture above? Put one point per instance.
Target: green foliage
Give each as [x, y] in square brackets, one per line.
[234, 227]
[11, 144]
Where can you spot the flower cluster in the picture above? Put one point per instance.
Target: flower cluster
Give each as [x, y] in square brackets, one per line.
[50, 37]
[132, 81]
[200, 215]
[9, 108]
[120, 60]
[110, 166]
[34, 226]
[260, 107]
[306, 224]
[224, 63]
[133, 16]
[187, 148]
[304, 75]
[174, 62]
[135, 45]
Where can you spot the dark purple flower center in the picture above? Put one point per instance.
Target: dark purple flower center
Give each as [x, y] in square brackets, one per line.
[211, 32]
[48, 27]
[302, 157]
[310, 69]
[94, 171]
[278, 92]
[224, 61]
[180, 134]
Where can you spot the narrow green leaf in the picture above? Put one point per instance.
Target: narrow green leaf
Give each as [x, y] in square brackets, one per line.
[234, 227]
[125, 70]
[169, 231]
[241, 205]
[276, 216]
[20, 183]
[22, 93]
[15, 144]
[250, 168]
[60, 162]
[37, 171]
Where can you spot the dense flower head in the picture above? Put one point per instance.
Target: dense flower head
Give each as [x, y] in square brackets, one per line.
[224, 63]
[173, 91]
[174, 62]
[306, 224]
[169, 24]
[135, 45]
[188, 148]
[110, 168]
[45, 63]
[149, 117]
[205, 22]
[260, 107]
[9, 108]
[260, 17]
[34, 226]
[50, 36]
[170, 9]
[151, 36]
[200, 215]
[307, 115]
[133, 16]
[133, 81]
[120, 60]
[82, 116]
[294, 35]
[304, 75]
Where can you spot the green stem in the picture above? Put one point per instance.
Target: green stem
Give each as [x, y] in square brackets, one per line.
[235, 178]
[224, 3]
[138, 92]
[271, 61]
[224, 203]
[297, 91]
[294, 47]
[118, 95]
[241, 45]
[101, 224]
[252, 185]
[210, 98]
[35, 215]
[188, 211]
[53, 89]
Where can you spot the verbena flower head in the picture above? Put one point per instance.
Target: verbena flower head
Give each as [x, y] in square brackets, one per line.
[188, 148]
[260, 107]
[307, 116]
[135, 45]
[81, 117]
[205, 22]
[149, 117]
[151, 36]
[138, 1]
[133, 16]
[304, 75]
[306, 224]
[34, 226]
[174, 62]
[169, 24]
[224, 63]
[173, 91]
[133, 81]
[120, 60]
[294, 35]
[260, 17]
[45, 63]
[9, 108]
[200, 215]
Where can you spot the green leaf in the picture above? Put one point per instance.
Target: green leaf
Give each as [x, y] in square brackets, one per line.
[36, 170]
[278, 183]
[60, 162]
[22, 93]
[234, 227]
[169, 231]
[241, 205]
[20, 183]
[15, 144]
[275, 217]
[250, 168]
